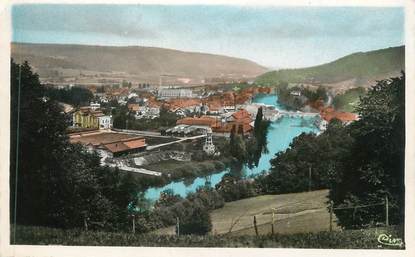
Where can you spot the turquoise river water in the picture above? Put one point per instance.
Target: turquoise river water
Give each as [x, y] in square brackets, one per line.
[280, 135]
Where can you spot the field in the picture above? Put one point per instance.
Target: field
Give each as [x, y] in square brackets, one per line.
[296, 213]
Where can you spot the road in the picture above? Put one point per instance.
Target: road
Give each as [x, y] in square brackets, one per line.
[151, 147]
[140, 170]
[122, 166]
[142, 133]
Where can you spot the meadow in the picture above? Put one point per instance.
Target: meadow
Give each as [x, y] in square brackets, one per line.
[304, 212]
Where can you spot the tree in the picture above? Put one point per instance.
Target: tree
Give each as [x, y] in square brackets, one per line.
[59, 184]
[74, 95]
[258, 144]
[198, 223]
[322, 155]
[258, 120]
[376, 167]
[167, 198]
[238, 148]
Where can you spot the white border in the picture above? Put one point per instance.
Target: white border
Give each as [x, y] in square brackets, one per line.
[7, 250]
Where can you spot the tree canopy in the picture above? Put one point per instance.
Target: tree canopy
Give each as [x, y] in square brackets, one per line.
[59, 184]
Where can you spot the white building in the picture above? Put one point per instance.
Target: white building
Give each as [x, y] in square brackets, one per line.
[131, 95]
[295, 93]
[94, 106]
[175, 93]
[105, 122]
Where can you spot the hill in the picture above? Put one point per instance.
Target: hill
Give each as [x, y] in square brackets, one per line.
[358, 69]
[82, 63]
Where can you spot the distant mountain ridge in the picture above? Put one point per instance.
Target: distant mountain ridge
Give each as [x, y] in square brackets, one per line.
[53, 59]
[360, 67]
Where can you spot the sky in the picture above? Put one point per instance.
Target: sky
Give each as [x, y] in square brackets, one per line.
[275, 37]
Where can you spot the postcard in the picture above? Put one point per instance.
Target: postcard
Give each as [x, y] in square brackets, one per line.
[195, 128]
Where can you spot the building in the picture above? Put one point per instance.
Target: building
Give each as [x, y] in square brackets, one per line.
[86, 117]
[175, 93]
[206, 121]
[330, 113]
[110, 144]
[105, 121]
[123, 147]
[94, 106]
[238, 120]
[133, 107]
[295, 93]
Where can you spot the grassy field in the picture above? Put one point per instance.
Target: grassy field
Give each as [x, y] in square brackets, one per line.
[348, 239]
[296, 213]
[179, 169]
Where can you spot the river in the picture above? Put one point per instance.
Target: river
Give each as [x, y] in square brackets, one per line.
[280, 135]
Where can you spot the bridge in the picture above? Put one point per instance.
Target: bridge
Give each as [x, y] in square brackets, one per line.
[291, 114]
[298, 114]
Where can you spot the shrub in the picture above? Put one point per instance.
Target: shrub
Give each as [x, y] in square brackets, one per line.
[198, 222]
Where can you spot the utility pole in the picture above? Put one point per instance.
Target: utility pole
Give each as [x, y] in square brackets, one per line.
[17, 153]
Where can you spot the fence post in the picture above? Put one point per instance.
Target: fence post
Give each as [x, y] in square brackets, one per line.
[177, 226]
[272, 225]
[85, 224]
[255, 226]
[331, 216]
[387, 210]
[133, 224]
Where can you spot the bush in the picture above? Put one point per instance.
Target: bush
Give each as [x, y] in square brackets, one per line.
[198, 223]
[232, 189]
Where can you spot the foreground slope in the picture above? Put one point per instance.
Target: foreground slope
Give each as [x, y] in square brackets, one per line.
[296, 213]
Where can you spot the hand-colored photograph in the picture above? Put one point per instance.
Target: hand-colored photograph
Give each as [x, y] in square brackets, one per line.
[226, 126]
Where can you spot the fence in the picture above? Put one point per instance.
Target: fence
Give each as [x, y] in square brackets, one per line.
[385, 203]
[274, 211]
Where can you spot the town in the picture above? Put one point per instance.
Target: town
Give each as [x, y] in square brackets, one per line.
[201, 114]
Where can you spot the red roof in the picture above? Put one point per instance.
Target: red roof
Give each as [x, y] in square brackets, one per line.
[202, 121]
[133, 107]
[329, 114]
[136, 143]
[242, 115]
[227, 128]
[117, 147]
[125, 145]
